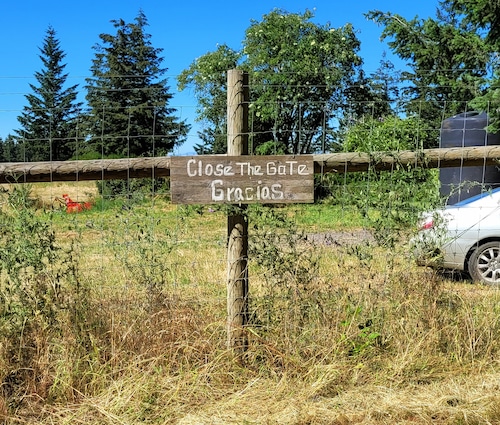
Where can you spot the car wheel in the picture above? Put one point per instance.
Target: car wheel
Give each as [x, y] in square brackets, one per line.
[484, 264]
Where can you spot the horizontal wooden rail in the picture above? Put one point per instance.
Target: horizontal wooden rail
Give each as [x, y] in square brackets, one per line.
[108, 169]
[100, 169]
[427, 158]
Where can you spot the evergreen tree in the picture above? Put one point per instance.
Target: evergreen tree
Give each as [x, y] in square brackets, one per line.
[47, 122]
[10, 150]
[383, 87]
[128, 99]
[483, 18]
[480, 14]
[447, 64]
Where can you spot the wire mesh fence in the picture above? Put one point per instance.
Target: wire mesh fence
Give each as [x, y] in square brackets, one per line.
[105, 279]
[288, 127]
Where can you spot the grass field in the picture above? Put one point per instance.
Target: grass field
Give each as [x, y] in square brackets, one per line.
[125, 323]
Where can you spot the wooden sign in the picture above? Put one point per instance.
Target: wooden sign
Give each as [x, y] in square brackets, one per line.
[213, 179]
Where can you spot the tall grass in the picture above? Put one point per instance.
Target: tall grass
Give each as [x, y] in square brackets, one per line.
[343, 330]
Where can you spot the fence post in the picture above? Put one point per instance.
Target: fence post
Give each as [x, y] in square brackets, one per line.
[237, 224]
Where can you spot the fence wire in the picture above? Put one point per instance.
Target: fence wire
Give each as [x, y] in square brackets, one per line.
[134, 245]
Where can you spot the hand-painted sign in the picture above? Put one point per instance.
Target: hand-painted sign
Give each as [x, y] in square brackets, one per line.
[213, 179]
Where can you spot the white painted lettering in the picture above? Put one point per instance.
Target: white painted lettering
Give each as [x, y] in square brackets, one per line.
[191, 171]
[292, 166]
[209, 170]
[271, 168]
[303, 170]
[258, 170]
[217, 193]
[277, 193]
[242, 166]
[219, 170]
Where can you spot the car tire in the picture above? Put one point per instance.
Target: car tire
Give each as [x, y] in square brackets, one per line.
[484, 264]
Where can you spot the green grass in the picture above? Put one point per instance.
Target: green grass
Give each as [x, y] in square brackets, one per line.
[338, 333]
[324, 217]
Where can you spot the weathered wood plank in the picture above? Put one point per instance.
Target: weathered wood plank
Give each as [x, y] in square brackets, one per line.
[427, 158]
[237, 221]
[105, 169]
[242, 179]
[108, 169]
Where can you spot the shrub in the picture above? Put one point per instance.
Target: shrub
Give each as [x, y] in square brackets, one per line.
[41, 299]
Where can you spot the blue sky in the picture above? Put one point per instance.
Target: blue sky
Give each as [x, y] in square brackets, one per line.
[184, 29]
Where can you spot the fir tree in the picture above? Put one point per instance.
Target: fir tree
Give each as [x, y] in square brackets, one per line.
[10, 150]
[447, 65]
[128, 97]
[48, 121]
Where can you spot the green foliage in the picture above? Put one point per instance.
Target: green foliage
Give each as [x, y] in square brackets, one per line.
[270, 148]
[286, 262]
[275, 245]
[388, 134]
[41, 297]
[298, 73]
[26, 262]
[143, 252]
[390, 201]
[207, 74]
[448, 64]
[48, 124]
[479, 18]
[359, 334]
[10, 150]
[490, 103]
[130, 114]
[480, 14]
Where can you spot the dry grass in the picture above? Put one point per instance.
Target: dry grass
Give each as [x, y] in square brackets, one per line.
[367, 339]
[49, 195]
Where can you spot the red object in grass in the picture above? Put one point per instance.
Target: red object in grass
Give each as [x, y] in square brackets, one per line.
[75, 207]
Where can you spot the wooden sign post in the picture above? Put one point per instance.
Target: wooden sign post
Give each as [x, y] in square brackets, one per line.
[237, 223]
[239, 179]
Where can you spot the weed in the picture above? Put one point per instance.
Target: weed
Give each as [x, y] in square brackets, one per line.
[359, 334]
[334, 327]
[143, 251]
[42, 298]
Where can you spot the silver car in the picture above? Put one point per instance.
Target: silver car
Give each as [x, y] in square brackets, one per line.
[463, 237]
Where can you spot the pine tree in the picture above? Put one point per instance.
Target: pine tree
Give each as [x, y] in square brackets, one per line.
[9, 151]
[48, 121]
[483, 17]
[447, 64]
[128, 98]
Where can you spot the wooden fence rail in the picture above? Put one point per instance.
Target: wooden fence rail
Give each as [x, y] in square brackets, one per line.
[108, 169]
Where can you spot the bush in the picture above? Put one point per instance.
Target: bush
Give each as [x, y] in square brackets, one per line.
[134, 189]
[42, 301]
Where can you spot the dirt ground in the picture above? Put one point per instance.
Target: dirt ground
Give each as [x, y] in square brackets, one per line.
[344, 238]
